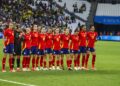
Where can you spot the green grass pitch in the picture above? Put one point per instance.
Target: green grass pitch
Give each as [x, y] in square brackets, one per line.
[107, 73]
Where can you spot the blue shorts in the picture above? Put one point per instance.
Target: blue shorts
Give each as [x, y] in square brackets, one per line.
[41, 52]
[26, 52]
[64, 51]
[90, 49]
[56, 52]
[9, 49]
[34, 50]
[48, 50]
[82, 49]
[74, 51]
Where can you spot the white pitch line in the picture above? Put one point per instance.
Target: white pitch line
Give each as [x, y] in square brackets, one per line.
[16, 82]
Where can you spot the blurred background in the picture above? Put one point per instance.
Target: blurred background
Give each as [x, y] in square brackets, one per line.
[104, 14]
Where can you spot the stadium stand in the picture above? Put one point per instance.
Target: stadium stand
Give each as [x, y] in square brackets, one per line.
[108, 21]
[79, 7]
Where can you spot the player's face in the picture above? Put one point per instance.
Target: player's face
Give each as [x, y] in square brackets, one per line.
[49, 30]
[92, 28]
[76, 33]
[35, 28]
[27, 30]
[84, 28]
[43, 30]
[57, 31]
[67, 31]
[10, 25]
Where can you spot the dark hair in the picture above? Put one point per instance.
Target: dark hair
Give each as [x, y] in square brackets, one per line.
[24, 30]
[57, 28]
[91, 25]
[70, 31]
[76, 30]
[81, 27]
[33, 26]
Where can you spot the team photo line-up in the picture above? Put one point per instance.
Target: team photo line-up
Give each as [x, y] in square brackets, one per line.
[46, 49]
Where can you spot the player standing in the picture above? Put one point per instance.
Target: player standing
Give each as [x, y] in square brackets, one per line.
[26, 50]
[49, 45]
[56, 47]
[91, 39]
[83, 39]
[34, 47]
[8, 47]
[74, 48]
[41, 48]
[18, 38]
[65, 42]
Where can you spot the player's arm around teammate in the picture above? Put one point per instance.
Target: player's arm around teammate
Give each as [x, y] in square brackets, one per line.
[26, 50]
[74, 48]
[41, 48]
[91, 39]
[56, 48]
[49, 45]
[34, 47]
[83, 39]
[18, 38]
[8, 47]
[65, 40]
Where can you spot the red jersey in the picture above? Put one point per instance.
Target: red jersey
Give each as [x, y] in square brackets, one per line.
[27, 41]
[82, 38]
[34, 38]
[9, 36]
[91, 36]
[56, 42]
[49, 40]
[74, 42]
[65, 41]
[42, 41]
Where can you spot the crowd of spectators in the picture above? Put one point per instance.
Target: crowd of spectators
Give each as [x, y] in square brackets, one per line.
[27, 12]
[80, 9]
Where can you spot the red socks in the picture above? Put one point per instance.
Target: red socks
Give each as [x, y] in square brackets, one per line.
[61, 62]
[28, 62]
[3, 63]
[24, 62]
[41, 61]
[78, 61]
[44, 64]
[58, 63]
[75, 63]
[49, 64]
[37, 61]
[86, 61]
[83, 61]
[33, 62]
[93, 61]
[10, 63]
[69, 62]
[53, 61]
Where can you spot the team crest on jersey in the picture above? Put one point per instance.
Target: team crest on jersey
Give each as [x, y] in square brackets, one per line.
[92, 36]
